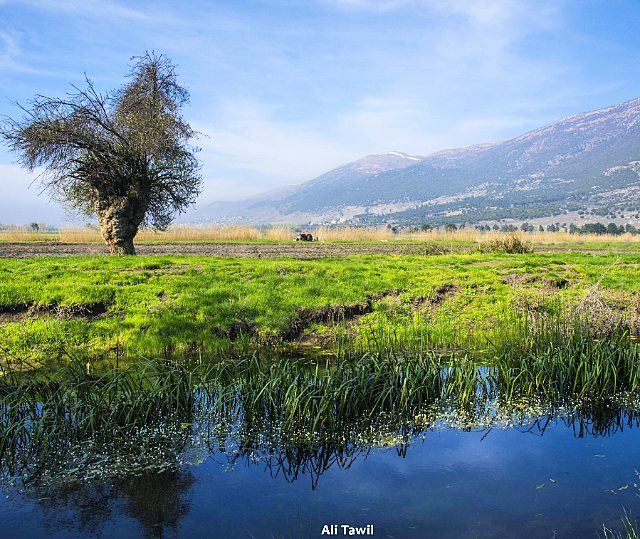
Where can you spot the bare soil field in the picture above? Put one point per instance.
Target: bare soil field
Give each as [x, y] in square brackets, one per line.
[228, 250]
[285, 250]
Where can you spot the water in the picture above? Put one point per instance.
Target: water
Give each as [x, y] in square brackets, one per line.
[446, 482]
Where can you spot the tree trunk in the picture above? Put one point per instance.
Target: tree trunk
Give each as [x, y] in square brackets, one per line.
[119, 220]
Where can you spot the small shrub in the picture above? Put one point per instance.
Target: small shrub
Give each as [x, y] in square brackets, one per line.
[510, 243]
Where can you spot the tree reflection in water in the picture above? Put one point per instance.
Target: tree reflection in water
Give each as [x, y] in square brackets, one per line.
[157, 501]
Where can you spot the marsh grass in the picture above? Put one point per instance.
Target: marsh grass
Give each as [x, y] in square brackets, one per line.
[308, 413]
[510, 243]
[207, 307]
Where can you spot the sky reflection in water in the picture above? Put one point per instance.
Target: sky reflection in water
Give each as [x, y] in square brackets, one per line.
[452, 483]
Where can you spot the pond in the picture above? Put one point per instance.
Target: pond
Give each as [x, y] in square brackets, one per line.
[236, 465]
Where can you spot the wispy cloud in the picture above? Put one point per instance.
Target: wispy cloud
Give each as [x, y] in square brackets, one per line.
[94, 8]
[11, 57]
[252, 139]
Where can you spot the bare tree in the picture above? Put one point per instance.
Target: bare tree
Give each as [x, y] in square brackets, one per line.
[124, 156]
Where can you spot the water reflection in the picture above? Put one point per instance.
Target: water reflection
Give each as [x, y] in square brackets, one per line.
[599, 419]
[156, 501]
[99, 450]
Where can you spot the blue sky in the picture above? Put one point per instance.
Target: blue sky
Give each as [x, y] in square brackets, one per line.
[285, 89]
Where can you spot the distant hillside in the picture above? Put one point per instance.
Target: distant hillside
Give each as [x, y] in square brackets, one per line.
[588, 163]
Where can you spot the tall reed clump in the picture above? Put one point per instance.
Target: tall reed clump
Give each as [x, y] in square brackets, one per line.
[324, 397]
[561, 356]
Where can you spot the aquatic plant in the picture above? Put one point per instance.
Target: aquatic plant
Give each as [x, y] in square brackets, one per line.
[630, 528]
[301, 415]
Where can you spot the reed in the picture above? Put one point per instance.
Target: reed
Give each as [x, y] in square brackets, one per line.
[175, 233]
[278, 233]
[355, 234]
[282, 233]
[26, 234]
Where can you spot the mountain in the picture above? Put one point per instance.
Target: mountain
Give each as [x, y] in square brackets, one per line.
[313, 200]
[586, 163]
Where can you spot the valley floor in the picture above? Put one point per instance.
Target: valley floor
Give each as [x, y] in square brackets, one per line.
[299, 250]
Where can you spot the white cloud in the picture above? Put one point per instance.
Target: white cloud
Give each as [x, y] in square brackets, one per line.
[479, 32]
[11, 56]
[251, 138]
[485, 32]
[378, 124]
[22, 199]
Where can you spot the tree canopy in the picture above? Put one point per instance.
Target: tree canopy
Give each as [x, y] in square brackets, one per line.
[124, 156]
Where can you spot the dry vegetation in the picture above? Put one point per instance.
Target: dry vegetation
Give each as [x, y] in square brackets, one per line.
[244, 233]
[511, 243]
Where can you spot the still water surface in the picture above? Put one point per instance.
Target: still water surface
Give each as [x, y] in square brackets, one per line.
[522, 481]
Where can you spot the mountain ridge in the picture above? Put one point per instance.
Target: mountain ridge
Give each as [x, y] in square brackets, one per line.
[586, 162]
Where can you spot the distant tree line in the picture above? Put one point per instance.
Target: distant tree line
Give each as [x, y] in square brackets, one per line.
[30, 227]
[588, 228]
[600, 228]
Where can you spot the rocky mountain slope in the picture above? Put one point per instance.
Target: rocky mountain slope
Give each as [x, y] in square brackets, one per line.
[588, 162]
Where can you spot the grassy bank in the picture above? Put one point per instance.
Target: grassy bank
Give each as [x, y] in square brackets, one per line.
[200, 305]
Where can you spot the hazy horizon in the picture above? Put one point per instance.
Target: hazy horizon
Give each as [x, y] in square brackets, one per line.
[284, 91]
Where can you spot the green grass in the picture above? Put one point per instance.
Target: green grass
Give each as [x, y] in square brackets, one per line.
[199, 305]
